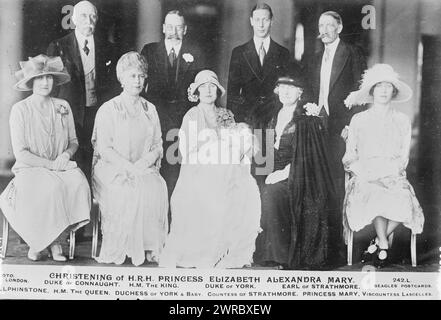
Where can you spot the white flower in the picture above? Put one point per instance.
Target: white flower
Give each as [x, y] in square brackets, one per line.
[188, 57]
[312, 109]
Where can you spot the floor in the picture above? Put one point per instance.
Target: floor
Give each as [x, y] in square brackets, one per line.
[427, 248]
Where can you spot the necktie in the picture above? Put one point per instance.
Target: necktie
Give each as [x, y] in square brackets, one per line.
[172, 57]
[86, 49]
[262, 54]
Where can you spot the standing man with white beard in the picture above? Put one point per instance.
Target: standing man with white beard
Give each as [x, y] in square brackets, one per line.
[90, 62]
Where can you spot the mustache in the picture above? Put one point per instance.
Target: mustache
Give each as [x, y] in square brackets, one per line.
[321, 36]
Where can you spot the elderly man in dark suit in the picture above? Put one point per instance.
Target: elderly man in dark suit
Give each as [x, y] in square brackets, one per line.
[334, 72]
[90, 62]
[254, 69]
[172, 66]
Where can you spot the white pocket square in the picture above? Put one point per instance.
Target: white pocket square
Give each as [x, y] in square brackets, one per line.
[108, 63]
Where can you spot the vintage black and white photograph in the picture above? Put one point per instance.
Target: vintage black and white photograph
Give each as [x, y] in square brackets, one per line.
[220, 149]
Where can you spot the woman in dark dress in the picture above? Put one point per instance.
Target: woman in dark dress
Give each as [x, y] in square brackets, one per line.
[298, 195]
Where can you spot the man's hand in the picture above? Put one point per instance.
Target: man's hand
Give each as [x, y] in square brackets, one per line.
[278, 175]
[344, 133]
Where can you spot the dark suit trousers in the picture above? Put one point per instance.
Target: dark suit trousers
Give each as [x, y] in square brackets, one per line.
[84, 155]
[337, 148]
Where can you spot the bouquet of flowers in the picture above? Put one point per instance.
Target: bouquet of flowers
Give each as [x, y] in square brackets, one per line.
[312, 109]
[224, 118]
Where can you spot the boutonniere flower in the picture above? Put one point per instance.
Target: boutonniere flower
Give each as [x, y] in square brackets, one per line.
[108, 63]
[188, 57]
[62, 109]
[312, 109]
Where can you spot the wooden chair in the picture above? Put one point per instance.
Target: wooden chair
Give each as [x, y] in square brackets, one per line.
[5, 235]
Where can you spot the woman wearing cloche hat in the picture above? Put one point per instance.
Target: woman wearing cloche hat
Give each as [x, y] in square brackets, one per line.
[216, 203]
[48, 194]
[377, 154]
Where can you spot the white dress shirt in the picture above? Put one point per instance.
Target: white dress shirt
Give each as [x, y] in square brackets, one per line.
[169, 45]
[325, 73]
[88, 61]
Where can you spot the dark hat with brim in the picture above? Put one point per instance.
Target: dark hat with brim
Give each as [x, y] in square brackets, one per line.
[292, 76]
[290, 80]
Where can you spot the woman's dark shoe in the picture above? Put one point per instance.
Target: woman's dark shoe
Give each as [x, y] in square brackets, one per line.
[382, 259]
[368, 254]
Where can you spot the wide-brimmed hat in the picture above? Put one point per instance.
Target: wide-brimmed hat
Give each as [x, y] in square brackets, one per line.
[378, 73]
[203, 77]
[39, 66]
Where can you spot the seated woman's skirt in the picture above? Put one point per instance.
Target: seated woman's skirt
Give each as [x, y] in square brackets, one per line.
[40, 204]
[392, 198]
[133, 214]
[274, 241]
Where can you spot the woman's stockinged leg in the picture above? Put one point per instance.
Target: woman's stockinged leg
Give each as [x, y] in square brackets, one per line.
[391, 225]
[380, 225]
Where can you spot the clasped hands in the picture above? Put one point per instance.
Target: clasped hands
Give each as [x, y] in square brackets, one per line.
[143, 165]
[62, 163]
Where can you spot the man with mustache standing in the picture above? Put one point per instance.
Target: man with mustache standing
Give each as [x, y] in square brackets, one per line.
[90, 62]
[172, 66]
[334, 72]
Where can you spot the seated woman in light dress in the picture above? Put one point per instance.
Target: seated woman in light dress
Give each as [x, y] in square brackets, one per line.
[49, 194]
[297, 198]
[377, 154]
[126, 182]
[216, 204]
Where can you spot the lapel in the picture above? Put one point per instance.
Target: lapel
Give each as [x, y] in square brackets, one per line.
[182, 66]
[75, 55]
[99, 56]
[318, 67]
[340, 57]
[161, 59]
[270, 59]
[252, 59]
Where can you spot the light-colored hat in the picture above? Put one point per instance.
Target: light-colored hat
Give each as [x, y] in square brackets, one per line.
[203, 77]
[39, 66]
[378, 73]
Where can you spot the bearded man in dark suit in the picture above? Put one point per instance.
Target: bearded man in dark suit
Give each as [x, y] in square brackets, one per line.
[172, 66]
[90, 62]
